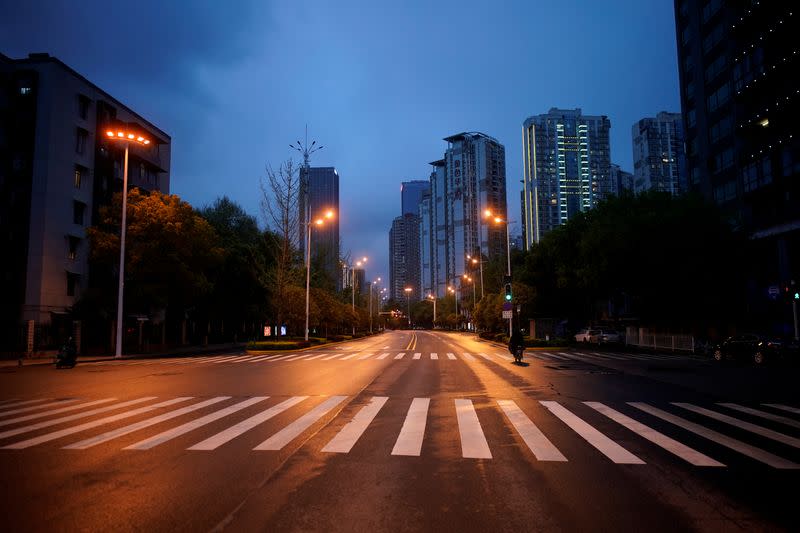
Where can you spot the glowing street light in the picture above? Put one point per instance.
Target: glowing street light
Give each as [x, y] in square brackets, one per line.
[127, 135]
[477, 261]
[408, 303]
[370, 303]
[431, 297]
[320, 221]
[500, 220]
[353, 270]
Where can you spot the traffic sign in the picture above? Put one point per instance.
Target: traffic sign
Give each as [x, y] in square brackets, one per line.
[507, 306]
[508, 314]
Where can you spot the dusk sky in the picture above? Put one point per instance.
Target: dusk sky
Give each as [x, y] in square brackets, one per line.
[378, 83]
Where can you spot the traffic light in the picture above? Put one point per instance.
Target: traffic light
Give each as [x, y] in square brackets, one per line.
[794, 291]
[508, 292]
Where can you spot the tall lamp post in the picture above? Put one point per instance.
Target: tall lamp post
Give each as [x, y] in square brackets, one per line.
[127, 135]
[500, 220]
[433, 298]
[408, 303]
[370, 303]
[318, 222]
[477, 261]
[455, 293]
[353, 283]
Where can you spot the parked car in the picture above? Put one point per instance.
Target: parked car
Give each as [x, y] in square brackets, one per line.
[587, 335]
[757, 348]
[609, 336]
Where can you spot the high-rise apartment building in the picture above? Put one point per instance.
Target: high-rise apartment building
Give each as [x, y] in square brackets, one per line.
[659, 162]
[404, 260]
[411, 195]
[322, 184]
[468, 180]
[567, 168]
[57, 169]
[623, 179]
[738, 64]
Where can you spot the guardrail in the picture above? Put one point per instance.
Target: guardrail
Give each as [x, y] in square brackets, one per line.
[642, 338]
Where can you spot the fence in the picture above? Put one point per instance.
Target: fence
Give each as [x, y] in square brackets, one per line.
[643, 338]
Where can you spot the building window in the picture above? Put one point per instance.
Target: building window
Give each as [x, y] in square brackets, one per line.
[720, 129]
[713, 38]
[83, 106]
[78, 177]
[72, 283]
[78, 210]
[80, 140]
[24, 91]
[718, 98]
[74, 243]
[691, 118]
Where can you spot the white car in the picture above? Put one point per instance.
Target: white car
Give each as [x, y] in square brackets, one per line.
[587, 335]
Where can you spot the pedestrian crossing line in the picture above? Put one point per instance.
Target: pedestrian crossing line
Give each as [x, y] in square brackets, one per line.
[468, 357]
[334, 356]
[365, 356]
[25, 402]
[504, 356]
[450, 355]
[264, 358]
[191, 360]
[747, 426]
[417, 355]
[317, 356]
[40, 406]
[194, 424]
[473, 441]
[400, 355]
[686, 453]
[409, 441]
[537, 443]
[344, 441]
[247, 358]
[94, 423]
[723, 440]
[559, 355]
[603, 444]
[541, 356]
[232, 359]
[69, 418]
[4, 403]
[304, 356]
[606, 356]
[485, 356]
[215, 441]
[282, 357]
[290, 432]
[762, 414]
[110, 435]
[383, 355]
[346, 357]
[783, 407]
[434, 355]
[54, 412]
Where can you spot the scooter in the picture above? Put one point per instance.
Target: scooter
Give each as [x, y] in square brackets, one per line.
[66, 358]
[518, 354]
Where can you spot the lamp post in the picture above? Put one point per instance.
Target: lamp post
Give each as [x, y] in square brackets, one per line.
[126, 135]
[408, 303]
[476, 261]
[500, 220]
[455, 293]
[318, 222]
[433, 298]
[353, 270]
[370, 304]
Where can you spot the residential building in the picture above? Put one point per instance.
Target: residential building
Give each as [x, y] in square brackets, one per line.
[659, 162]
[404, 259]
[426, 245]
[738, 64]
[567, 168]
[57, 169]
[411, 195]
[322, 184]
[622, 179]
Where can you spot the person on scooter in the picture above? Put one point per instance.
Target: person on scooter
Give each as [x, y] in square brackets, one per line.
[516, 342]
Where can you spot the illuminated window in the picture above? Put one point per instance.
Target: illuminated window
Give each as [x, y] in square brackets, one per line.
[74, 243]
[78, 177]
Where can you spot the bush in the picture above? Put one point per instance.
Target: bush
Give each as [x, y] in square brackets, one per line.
[275, 345]
[541, 343]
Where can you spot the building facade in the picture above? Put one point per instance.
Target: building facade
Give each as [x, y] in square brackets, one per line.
[411, 195]
[322, 186]
[738, 64]
[404, 257]
[567, 168]
[659, 162]
[623, 179]
[57, 170]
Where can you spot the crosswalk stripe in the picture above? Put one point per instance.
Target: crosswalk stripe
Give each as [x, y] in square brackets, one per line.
[542, 448]
[603, 444]
[344, 441]
[365, 356]
[346, 357]
[40, 406]
[468, 357]
[283, 357]
[783, 408]
[473, 441]
[400, 355]
[559, 355]
[232, 359]
[69, 418]
[671, 445]
[110, 435]
[409, 442]
[504, 356]
[304, 356]
[55, 412]
[317, 356]
[25, 402]
[265, 358]
[94, 423]
[736, 445]
[334, 356]
[290, 432]
[190, 360]
[417, 355]
[451, 355]
[605, 355]
[762, 414]
[194, 424]
[434, 355]
[215, 441]
[383, 355]
[485, 356]
[247, 358]
[747, 426]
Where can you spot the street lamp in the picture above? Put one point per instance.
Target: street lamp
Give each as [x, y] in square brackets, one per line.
[500, 220]
[455, 293]
[126, 135]
[433, 298]
[353, 270]
[319, 222]
[408, 303]
[477, 261]
[370, 303]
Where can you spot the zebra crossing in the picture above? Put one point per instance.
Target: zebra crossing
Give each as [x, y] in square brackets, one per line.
[561, 356]
[729, 433]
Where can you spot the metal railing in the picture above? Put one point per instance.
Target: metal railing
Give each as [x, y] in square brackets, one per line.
[643, 338]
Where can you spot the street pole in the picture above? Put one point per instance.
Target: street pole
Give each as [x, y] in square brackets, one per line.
[796, 329]
[370, 308]
[308, 271]
[353, 286]
[118, 348]
[408, 302]
[508, 258]
[434, 312]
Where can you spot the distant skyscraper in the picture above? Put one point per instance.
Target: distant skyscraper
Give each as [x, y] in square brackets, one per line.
[658, 158]
[411, 193]
[468, 180]
[426, 244]
[624, 180]
[567, 168]
[323, 195]
[404, 260]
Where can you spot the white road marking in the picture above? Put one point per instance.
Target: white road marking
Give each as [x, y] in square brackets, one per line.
[233, 359]
[783, 408]
[417, 355]
[264, 358]
[94, 423]
[247, 358]
[344, 441]
[346, 357]
[542, 448]
[283, 357]
[113, 434]
[504, 356]
[473, 442]
[214, 442]
[400, 355]
[485, 356]
[194, 424]
[383, 355]
[747, 426]
[334, 356]
[304, 356]
[290, 432]
[671, 445]
[745, 449]
[468, 357]
[762, 414]
[434, 356]
[603, 444]
[26, 402]
[451, 355]
[317, 356]
[55, 412]
[409, 442]
[365, 356]
[40, 406]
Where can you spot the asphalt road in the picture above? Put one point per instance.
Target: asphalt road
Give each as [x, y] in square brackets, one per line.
[449, 436]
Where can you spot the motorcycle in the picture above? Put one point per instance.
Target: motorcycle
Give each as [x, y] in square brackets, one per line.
[66, 357]
[518, 354]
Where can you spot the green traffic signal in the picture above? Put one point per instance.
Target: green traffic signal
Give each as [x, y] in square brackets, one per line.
[508, 292]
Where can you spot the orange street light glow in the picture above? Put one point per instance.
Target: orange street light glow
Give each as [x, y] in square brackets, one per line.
[110, 133]
[120, 134]
[498, 219]
[488, 213]
[329, 214]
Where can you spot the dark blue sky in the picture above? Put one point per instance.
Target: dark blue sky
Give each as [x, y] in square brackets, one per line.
[379, 83]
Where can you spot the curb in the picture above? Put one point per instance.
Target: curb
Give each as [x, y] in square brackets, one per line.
[316, 346]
